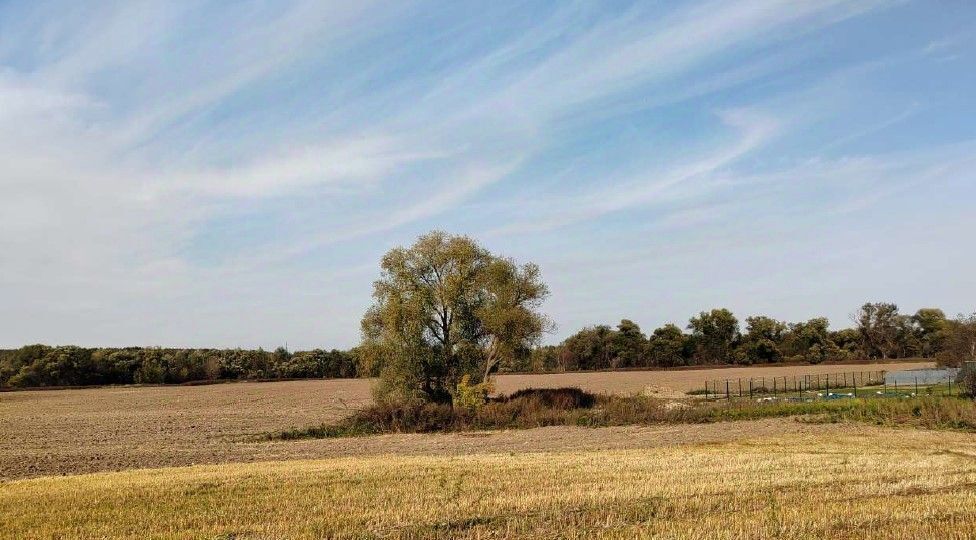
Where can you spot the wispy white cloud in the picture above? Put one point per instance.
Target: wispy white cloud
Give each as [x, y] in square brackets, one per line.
[152, 152]
[751, 131]
[358, 161]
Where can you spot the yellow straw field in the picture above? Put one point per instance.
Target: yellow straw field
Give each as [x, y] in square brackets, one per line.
[884, 483]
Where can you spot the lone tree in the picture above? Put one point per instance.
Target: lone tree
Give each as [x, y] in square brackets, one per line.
[445, 309]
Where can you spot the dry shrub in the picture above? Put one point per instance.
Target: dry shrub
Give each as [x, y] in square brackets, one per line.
[555, 398]
[574, 407]
[535, 407]
[523, 409]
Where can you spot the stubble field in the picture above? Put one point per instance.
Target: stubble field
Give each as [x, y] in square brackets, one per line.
[190, 464]
[104, 429]
[872, 484]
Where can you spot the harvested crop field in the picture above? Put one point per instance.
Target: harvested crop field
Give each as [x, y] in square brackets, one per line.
[873, 484]
[104, 429]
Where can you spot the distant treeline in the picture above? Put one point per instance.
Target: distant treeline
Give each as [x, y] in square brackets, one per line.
[41, 365]
[716, 337]
[712, 337]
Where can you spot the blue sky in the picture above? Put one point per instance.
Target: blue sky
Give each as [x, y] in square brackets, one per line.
[229, 173]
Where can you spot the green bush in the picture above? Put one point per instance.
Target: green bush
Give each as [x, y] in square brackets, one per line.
[471, 396]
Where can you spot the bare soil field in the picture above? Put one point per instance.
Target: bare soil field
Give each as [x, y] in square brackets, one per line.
[77, 431]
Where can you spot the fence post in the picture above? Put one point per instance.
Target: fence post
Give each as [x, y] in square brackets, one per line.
[855, 387]
[740, 387]
[728, 396]
[774, 386]
[949, 377]
[916, 386]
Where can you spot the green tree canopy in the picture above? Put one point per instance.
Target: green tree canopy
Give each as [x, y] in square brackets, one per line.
[715, 334]
[444, 308]
[629, 344]
[590, 348]
[931, 327]
[667, 346]
[810, 341]
[762, 340]
[878, 323]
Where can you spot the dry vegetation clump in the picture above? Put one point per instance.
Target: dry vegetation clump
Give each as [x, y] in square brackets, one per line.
[573, 407]
[883, 484]
[526, 408]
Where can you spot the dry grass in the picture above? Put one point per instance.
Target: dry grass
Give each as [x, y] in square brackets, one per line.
[77, 431]
[885, 484]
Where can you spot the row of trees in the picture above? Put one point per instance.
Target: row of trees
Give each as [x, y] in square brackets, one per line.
[447, 314]
[42, 365]
[716, 337]
[712, 337]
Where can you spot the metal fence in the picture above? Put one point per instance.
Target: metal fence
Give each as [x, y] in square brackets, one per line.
[922, 377]
[792, 384]
[836, 385]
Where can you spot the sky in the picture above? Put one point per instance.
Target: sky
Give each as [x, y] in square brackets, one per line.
[228, 174]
